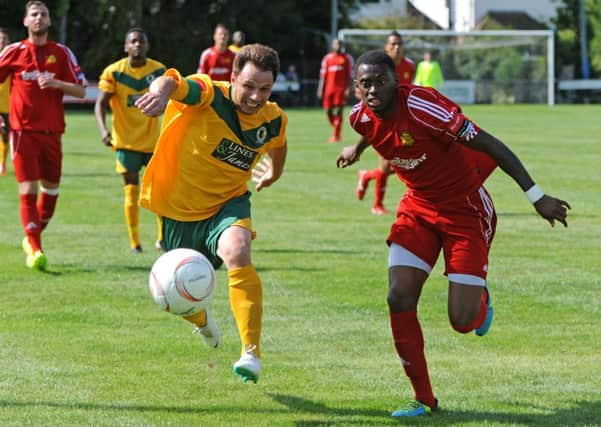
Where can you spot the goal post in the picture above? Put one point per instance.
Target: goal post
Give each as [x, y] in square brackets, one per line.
[494, 66]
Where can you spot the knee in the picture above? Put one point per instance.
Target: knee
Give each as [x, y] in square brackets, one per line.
[399, 301]
[462, 322]
[234, 253]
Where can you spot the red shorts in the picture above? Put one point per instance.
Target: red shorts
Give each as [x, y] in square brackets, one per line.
[36, 155]
[334, 99]
[463, 229]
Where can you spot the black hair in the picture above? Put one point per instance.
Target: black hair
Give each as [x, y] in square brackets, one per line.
[135, 30]
[376, 57]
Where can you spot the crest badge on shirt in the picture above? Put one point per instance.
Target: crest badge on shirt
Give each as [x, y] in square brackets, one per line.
[261, 135]
[51, 59]
[406, 139]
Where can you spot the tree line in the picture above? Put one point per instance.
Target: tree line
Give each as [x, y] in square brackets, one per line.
[179, 30]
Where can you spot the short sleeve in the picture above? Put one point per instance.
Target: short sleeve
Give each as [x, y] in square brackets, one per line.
[106, 82]
[438, 114]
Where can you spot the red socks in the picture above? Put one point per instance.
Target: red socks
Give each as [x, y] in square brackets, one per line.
[381, 179]
[337, 123]
[46, 206]
[380, 190]
[31, 220]
[409, 344]
[36, 213]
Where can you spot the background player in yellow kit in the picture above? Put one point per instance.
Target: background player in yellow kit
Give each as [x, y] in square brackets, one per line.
[134, 134]
[212, 136]
[4, 98]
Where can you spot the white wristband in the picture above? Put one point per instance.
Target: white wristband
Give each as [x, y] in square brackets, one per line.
[534, 194]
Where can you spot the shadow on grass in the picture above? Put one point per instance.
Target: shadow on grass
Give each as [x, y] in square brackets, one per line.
[66, 269]
[581, 413]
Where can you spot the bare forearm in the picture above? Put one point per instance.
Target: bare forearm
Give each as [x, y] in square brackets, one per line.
[278, 160]
[73, 89]
[505, 158]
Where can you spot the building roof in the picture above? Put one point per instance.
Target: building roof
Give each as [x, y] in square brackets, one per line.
[515, 20]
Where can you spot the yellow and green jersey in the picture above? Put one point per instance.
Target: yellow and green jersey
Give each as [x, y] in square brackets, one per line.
[206, 150]
[132, 130]
[4, 96]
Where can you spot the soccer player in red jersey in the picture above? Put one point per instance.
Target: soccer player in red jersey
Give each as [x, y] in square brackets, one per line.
[443, 158]
[334, 84]
[41, 72]
[217, 60]
[405, 70]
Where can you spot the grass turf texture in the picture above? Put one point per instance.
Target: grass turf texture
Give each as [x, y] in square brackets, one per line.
[84, 344]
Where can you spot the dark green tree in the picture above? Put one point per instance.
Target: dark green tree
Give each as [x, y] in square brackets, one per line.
[568, 36]
[180, 29]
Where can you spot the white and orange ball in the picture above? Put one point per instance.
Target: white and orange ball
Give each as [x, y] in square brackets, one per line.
[182, 281]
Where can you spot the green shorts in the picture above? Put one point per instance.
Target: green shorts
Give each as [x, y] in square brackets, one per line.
[204, 235]
[131, 161]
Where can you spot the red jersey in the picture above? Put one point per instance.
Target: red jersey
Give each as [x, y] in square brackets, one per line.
[32, 108]
[218, 65]
[337, 71]
[420, 139]
[405, 70]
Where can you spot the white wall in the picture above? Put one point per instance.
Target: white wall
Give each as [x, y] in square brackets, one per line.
[466, 12]
[381, 9]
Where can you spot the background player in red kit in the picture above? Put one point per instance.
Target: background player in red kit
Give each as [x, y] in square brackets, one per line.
[334, 84]
[405, 70]
[443, 159]
[217, 60]
[41, 72]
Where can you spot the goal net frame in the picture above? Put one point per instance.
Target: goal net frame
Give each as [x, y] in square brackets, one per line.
[506, 38]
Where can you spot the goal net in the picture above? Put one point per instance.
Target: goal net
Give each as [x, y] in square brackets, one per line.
[505, 66]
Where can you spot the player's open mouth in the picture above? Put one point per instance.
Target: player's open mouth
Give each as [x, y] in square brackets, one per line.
[373, 101]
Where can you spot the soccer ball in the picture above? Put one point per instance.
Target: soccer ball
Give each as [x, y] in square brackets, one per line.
[182, 281]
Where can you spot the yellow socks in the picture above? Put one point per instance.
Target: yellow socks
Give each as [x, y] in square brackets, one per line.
[132, 214]
[3, 152]
[199, 319]
[159, 229]
[246, 300]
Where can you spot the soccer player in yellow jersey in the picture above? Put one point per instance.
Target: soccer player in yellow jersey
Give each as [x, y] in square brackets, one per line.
[212, 137]
[134, 134]
[4, 98]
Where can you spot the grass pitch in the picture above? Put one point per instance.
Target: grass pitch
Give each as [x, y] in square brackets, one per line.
[84, 344]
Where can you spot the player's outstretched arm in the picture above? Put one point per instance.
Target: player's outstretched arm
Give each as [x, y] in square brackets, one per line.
[270, 168]
[153, 102]
[550, 208]
[351, 153]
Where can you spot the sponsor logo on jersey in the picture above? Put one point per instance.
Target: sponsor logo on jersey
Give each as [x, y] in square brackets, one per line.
[335, 68]
[131, 99]
[408, 164]
[33, 75]
[219, 70]
[406, 139]
[235, 154]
